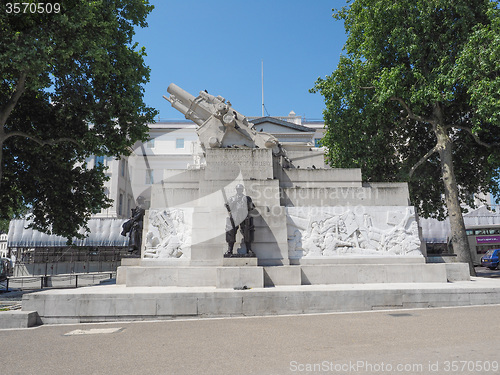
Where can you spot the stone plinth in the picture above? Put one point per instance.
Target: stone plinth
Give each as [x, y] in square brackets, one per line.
[457, 272]
[239, 261]
[18, 319]
[115, 303]
[221, 277]
[240, 277]
[372, 273]
[282, 275]
[317, 218]
[343, 272]
[171, 276]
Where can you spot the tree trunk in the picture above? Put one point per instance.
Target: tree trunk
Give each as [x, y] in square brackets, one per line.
[458, 234]
[6, 110]
[1, 161]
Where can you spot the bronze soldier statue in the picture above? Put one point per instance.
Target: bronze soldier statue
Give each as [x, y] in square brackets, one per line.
[239, 208]
[134, 226]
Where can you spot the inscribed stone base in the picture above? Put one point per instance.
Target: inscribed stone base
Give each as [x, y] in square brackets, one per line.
[240, 277]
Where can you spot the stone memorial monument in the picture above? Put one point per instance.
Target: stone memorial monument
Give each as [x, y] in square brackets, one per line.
[309, 225]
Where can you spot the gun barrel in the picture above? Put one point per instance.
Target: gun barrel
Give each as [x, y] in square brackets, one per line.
[192, 108]
[182, 95]
[216, 116]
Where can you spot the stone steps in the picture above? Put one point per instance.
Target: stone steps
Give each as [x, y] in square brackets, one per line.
[118, 303]
[232, 276]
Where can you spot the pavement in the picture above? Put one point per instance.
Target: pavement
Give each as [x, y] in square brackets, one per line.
[487, 273]
[108, 303]
[445, 340]
[458, 340]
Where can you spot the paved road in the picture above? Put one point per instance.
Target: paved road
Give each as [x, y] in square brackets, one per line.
[463, 340]
[486, 272]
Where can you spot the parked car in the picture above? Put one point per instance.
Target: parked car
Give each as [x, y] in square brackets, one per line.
[491, 259]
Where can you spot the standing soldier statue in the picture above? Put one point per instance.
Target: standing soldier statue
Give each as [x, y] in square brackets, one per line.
[134, 226]
[239, 208]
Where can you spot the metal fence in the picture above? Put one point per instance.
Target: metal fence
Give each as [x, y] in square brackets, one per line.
[68, 254]
[56, 281]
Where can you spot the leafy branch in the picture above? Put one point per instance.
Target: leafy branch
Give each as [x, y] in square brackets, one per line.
[424, 159]
[410, 113]
[41, 142]
[11, 103]
[476, 137]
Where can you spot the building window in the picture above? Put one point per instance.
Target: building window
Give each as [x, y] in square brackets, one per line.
[149, 177]
[123, 167]
[98, 160]
[317, 142]
[179, 143]
[150, 143]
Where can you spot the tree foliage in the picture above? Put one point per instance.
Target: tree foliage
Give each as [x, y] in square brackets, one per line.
[71, 86]
[416, 98]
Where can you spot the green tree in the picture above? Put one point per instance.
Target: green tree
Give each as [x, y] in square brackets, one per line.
[71, 86]
[416, 97]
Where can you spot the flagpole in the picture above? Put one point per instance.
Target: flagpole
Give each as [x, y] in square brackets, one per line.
[262, 88]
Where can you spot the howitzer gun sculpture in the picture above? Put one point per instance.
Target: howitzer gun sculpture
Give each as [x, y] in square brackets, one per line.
[219, 124]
